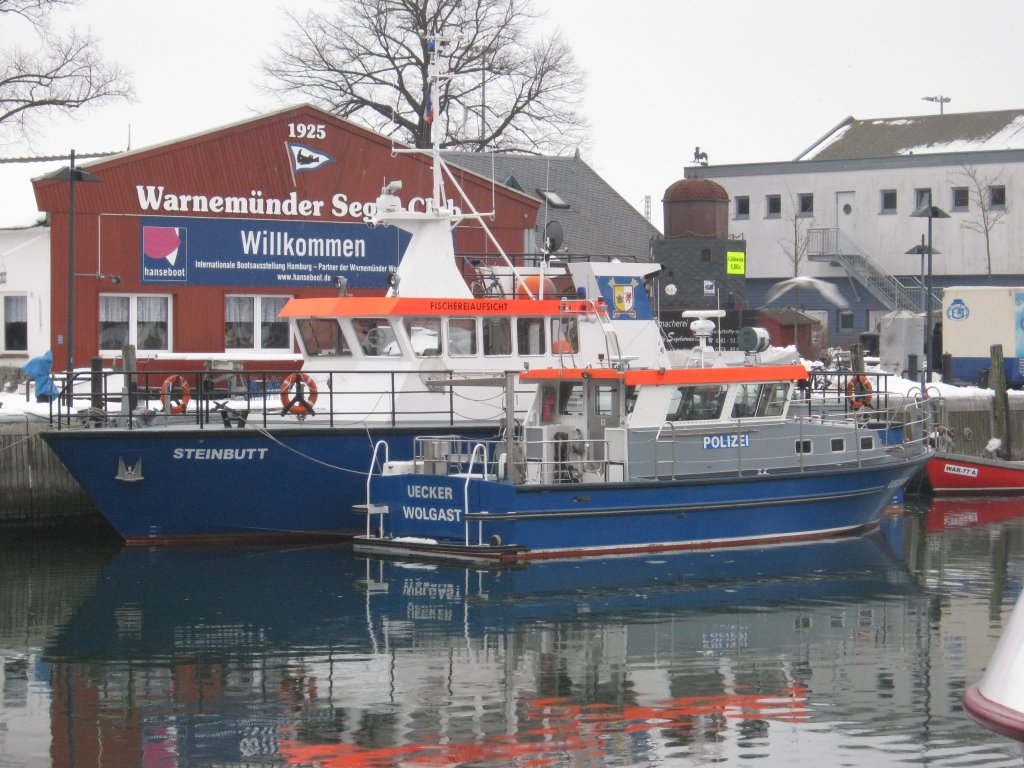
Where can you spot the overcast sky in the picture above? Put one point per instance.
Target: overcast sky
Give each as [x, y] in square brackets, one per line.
[746, 80]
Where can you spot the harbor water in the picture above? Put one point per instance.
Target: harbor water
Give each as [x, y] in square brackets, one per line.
[853, 652]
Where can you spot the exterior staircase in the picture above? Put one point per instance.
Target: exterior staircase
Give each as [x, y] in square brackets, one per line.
[835, 246]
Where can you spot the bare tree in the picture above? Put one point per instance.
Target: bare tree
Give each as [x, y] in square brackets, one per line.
[795, 244]
[979, 191]
[368, 62]
[55, 73]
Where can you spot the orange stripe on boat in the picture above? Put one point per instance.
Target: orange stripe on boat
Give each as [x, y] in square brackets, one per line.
[365, 306]
[651, 376]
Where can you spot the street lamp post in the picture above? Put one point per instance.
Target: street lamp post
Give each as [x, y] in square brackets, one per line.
[929, 212]
[71, 175]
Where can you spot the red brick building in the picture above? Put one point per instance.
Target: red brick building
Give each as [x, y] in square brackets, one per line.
[189, 249]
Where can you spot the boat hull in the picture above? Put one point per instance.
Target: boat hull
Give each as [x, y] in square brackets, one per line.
[170, 486]
[427, 516]
[997, 700]
[950, 474]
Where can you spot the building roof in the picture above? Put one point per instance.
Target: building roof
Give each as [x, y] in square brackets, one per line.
[856, 139]
[703, 190]
[595, 219]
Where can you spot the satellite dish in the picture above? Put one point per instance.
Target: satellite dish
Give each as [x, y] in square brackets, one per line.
[553, 236]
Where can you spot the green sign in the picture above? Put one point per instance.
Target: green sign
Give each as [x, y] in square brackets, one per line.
[735, 263]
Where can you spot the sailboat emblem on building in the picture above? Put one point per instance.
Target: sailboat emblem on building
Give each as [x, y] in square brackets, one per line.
[307, 159]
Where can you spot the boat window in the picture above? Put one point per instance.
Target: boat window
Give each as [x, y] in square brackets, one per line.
[697, 402]
[461, 336]
[497, 336]
[773, 399]
[565, 337]
[803, 446]
[867, 443]
[570, 398]
[745, 404]
[759, 400]
[424, 335]
[604, 399]
[631, 393]
[322, 336]
[376, 337]
[530, 335]
[838, 445]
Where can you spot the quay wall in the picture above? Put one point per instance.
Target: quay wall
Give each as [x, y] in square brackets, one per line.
[35, 488]
[973, 421]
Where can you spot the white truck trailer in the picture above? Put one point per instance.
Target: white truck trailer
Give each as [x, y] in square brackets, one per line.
[973, 319]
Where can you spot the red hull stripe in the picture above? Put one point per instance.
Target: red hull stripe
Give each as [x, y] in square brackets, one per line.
[991, 714]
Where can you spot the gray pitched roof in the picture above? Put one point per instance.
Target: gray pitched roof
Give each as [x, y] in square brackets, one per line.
[927, 134]
[598, 221]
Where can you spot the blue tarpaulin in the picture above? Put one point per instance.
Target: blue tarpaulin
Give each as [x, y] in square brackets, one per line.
[39, 369]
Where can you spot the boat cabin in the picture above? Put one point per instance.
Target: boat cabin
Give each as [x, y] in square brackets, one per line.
[596, 425]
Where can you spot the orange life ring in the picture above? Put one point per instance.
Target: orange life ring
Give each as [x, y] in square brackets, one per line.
[167, 394]
[858, 392]
[300, 403]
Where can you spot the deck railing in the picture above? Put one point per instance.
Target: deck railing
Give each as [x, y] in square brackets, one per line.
[153, 398]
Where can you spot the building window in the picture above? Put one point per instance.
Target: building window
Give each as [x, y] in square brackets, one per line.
[143, 321]
[15, 323]
[243, 315]
[997, 197]
[772, 206]
[888, 201]
[961, 198]
[805, 203]
[845, 320]
[705, 254]
[922, 198]
[742, 207]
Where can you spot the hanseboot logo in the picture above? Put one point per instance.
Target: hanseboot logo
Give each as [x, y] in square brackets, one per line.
[164, 251]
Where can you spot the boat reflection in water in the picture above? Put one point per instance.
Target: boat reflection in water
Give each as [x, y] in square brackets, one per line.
[315, 656]
[945, 514]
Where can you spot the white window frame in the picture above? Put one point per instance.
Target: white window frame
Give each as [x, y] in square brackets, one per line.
[133, 322]
[257, 336]
[3, 313]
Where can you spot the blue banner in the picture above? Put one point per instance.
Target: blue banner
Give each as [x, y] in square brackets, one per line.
[625, 297]
[250, 252]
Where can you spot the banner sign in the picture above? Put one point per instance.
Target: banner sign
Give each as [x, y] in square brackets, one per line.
[250, 252]
[736, 263]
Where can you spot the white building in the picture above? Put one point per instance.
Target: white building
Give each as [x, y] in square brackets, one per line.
[24, 294]
[845, 206]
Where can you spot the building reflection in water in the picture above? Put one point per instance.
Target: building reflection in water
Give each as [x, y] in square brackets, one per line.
[180, 657]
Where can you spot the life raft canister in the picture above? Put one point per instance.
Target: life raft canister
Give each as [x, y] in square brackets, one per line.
[170, 404]
[300, 403]
[858, 392]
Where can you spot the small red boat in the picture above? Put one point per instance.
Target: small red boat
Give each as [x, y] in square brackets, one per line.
[950, 473]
